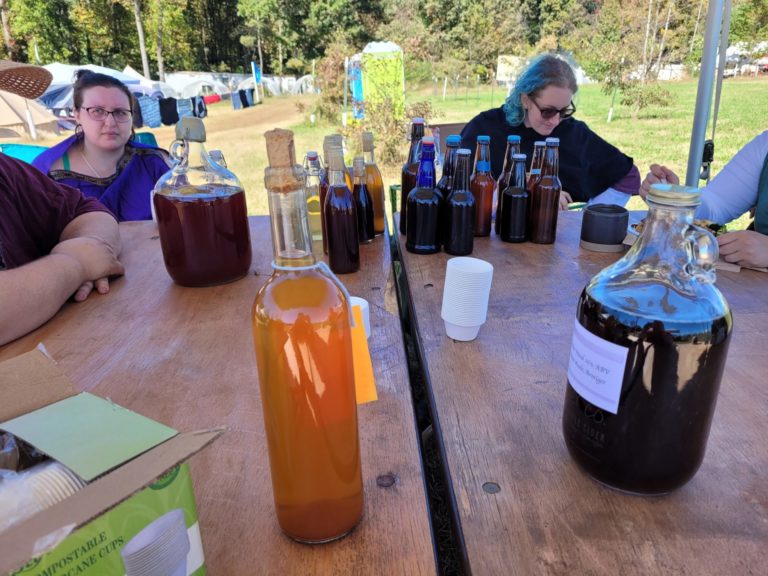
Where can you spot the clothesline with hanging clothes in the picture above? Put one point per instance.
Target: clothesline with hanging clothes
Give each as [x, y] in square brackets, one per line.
[243, 98]
[152, 112]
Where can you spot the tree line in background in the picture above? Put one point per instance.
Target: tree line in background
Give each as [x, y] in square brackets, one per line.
[440, 38]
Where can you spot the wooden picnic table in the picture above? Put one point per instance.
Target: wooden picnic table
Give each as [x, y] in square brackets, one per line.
[521, 503]
[185, 357]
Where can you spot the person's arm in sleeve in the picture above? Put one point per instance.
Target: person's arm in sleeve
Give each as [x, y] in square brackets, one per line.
[87, 254]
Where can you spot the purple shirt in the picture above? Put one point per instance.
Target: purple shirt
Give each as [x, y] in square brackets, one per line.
[127, 193]
[34, 210]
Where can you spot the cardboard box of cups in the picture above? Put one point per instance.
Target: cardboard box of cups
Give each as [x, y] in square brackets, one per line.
[105, 491]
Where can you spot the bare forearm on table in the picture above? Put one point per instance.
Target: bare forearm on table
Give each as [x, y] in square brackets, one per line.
[31, 294]
[95, 224]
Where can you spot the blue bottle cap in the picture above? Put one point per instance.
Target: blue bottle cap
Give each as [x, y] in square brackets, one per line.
[513, 138]
[453, 139]
[485, 139]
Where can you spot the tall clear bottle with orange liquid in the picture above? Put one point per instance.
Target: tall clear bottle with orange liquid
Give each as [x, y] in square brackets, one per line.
[302, 336]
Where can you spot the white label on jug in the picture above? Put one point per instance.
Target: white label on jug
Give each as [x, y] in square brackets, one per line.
[596, 368]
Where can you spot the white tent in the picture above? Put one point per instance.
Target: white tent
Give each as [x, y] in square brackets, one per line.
[189, 84]
[202, 87]
[161, 89]
[59, 93]
[18, 115]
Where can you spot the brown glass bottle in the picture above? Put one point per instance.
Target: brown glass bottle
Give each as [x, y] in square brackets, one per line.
[459, 222]
[513, 147]
[513, 204]
[545, 202]
[374, 183]
[341, 219]
[445, 183]
[411, 166]
[363, 203]
[481, 184]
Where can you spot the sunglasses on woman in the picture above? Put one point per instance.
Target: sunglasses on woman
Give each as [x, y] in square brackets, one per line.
[549, 113]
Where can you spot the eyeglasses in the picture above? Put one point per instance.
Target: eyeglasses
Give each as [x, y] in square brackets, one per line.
[121, 115]
[549, 113]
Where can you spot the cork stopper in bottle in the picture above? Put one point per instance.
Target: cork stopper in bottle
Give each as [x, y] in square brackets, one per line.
[280, 149]
[367, 141]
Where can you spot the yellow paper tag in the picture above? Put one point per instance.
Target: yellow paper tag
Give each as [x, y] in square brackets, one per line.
[365, 385]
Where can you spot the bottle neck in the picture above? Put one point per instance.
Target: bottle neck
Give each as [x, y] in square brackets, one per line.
[538, 158]
[336, 177]
[358, 175]
[449, 162]
[671, 247]
[368, 156]
[291, 238]
[551, 165]
[426, 174]
[417, 133]
[461, 174]
[517, 178]
[197, 155]
[483, 158]
[314, 173]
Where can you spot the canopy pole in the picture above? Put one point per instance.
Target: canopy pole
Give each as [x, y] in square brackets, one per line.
[30, 122]
[704, 91]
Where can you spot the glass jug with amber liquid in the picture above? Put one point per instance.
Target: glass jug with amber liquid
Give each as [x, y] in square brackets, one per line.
[648, 352]
[202, 217]
[302, 336]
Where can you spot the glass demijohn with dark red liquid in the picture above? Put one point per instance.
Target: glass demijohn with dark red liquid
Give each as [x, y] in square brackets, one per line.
[648, 351]
[202, 218]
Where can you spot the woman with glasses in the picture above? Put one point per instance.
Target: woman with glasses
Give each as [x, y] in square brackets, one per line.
[541, 105]
[101, 159]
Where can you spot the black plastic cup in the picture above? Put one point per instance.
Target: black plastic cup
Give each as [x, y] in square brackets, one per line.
[603, 227]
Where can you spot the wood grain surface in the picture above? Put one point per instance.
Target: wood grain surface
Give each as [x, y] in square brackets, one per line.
[185, 357]
[498, 402]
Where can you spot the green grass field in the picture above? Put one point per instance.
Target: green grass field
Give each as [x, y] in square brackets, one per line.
[656, 135]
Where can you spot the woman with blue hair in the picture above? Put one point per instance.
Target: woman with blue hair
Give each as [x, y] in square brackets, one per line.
[541, 105]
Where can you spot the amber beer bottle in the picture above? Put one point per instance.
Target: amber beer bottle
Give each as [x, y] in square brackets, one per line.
[328, 141]
[374, 183]
[445, 183]
[341, 218]
[533, 177]
[302, 338]
[513, 204]
[459, 210]
[546, 197]
[513, 147]
[481, 184]
[363, 203]
[411, 166]
[424, 205]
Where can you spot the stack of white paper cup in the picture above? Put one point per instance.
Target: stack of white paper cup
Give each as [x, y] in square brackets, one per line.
[465, 296]
[160, 548]
[24, 494]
